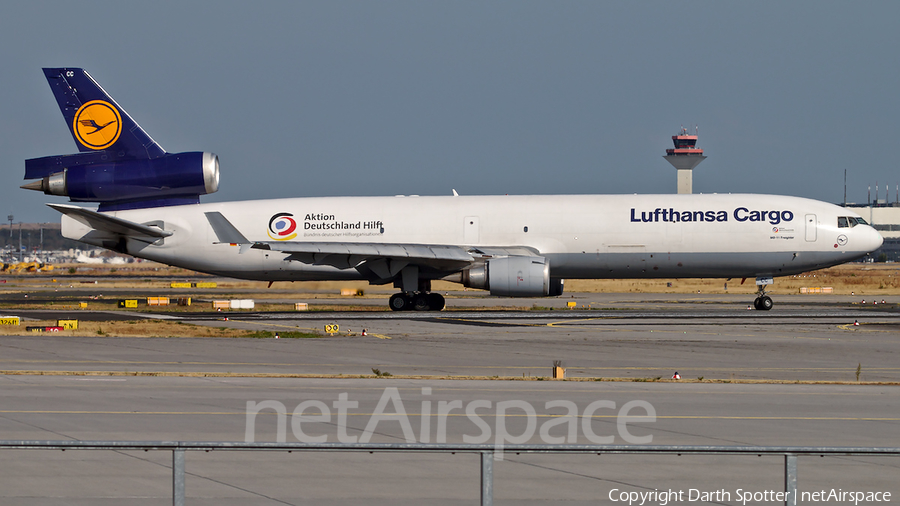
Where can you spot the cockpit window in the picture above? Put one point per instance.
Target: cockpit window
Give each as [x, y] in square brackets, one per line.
[850, 221]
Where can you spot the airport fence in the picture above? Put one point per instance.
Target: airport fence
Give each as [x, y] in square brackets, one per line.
[485, 451]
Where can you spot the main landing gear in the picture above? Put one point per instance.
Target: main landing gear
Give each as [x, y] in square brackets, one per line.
[763, 302]
[416, 294]
[417, 301]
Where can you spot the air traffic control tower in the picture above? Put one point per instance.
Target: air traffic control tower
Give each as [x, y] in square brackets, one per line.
[684, 157]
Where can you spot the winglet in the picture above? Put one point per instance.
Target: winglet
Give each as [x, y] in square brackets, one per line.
[226, 232]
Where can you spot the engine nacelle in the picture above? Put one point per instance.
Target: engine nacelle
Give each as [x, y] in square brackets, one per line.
[514, 277]
[170, 176]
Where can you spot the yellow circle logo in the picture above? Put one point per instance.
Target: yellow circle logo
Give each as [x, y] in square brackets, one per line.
[97, 124]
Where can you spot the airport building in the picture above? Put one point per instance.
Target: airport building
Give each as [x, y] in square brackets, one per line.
[885, 217]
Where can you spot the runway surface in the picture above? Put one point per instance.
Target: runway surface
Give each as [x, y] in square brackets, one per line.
[716, 339]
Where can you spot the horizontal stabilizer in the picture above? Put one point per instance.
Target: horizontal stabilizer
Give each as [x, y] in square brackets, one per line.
[104, 222]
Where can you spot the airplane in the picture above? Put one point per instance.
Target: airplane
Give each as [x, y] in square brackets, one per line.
[512, 246]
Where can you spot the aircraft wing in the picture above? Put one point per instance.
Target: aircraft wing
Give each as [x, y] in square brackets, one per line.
[382, 262]
[316, 252]
[111, 224]
[379, 262]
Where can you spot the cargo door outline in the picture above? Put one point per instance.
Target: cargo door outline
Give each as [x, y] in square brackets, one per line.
[811, 228]
[471, 230]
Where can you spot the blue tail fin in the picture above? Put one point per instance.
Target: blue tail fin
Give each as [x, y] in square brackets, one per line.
[95, 120]
[119, 165]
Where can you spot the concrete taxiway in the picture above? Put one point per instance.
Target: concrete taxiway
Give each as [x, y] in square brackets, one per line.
[711, 339]
[717, 340]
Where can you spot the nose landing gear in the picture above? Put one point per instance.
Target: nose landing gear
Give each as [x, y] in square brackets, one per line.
[763, 302]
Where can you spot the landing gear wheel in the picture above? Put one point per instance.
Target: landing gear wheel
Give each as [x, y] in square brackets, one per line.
[435, 301]
[763, 302]
[421, 302]
[400, 302]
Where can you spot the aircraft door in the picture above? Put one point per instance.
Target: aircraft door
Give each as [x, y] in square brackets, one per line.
[471, 230]
[810, 227]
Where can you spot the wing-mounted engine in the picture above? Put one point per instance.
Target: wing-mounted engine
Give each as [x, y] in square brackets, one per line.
[514, 276]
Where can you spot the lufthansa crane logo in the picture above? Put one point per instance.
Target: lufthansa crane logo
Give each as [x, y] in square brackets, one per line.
[282, 227]
[97, 124]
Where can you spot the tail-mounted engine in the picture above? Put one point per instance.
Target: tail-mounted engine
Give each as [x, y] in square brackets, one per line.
[119, 164]
[87, 177]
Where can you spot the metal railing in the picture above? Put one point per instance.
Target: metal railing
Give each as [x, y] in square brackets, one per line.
[486, 452]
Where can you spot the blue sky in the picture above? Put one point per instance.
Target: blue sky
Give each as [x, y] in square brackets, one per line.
[384, 98]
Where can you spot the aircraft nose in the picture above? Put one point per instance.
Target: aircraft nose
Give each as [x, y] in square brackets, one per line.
[872, 240]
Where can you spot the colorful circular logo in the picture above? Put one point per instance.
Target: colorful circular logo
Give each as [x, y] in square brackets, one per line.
[97, 124]
[282, 227]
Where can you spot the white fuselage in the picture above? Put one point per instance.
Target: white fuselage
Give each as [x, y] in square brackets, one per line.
[582, 236]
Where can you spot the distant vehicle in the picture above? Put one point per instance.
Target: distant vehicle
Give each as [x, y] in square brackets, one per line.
[19, 267]
[519, 246]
